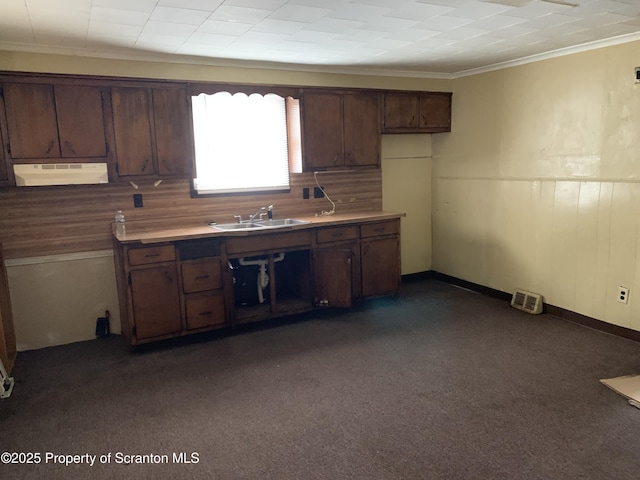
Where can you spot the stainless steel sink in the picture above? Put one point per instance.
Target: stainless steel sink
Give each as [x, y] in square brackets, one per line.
[259, 225]
[282, 222]
[238, 226]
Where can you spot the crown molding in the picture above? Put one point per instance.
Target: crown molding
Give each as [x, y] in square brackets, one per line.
[561, 52]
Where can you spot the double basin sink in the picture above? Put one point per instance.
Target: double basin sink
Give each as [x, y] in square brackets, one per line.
[259, 224]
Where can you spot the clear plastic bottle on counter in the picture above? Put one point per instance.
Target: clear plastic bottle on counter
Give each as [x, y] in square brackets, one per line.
[120, 228]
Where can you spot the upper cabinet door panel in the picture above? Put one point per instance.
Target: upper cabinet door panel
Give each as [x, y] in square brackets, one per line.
[322, 127]
[31, 120]
[435, 111]
[80, 121]
[173, 139]
[400, 111]
[361, 130]
[417, 112]
[132, 131]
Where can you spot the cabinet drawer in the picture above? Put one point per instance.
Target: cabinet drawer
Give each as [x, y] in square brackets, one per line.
[201, 275]
[272, 242]
[336, 234]
[141, 256]
[204, 311]
[382, 228]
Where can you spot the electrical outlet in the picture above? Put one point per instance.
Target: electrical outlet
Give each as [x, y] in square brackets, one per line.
[318, 192]
[137, 200]
[305, 193]
[623, 294]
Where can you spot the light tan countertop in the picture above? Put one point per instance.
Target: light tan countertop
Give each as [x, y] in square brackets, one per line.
[158, 235]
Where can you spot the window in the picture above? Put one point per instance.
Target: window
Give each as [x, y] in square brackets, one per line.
[242, 142]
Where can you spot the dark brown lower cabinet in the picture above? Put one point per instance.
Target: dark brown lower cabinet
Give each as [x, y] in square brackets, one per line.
[156, 301]
[333, 277]
[380, 257]
[202, 287]
[169, 289]
[380, 266]
[8, 350]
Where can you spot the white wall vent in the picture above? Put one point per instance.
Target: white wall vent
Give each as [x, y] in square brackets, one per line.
[527, 301]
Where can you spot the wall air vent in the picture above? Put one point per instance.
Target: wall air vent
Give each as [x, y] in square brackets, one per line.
[527, 301]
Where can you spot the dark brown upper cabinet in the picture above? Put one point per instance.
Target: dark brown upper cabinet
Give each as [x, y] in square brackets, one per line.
[174, 142]
[132, 131]
[151, 129]
[56, 122]
[361, 124]
[340, 130]
[417, 112]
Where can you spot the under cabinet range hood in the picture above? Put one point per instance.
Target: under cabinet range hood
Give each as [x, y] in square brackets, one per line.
[35, 174]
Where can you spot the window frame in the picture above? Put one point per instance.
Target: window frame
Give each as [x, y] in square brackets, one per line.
[196, 89]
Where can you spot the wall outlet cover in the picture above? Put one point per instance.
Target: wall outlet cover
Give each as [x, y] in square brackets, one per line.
[137, 200]
[623, 294]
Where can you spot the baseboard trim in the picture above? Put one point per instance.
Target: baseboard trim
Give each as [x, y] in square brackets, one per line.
[558, 312]
[413, 277]
[491, 292]
[592, 322]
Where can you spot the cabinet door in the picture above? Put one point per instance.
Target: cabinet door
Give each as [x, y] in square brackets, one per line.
[132, 130]
[380, 262]
[4, 177]
[361, 130]
[80, 121]
[332, 269]
[322, 127]
[156, 301]
[400, 111]
[435, 112]
[31, 120]
[173, 137]
[8, 348]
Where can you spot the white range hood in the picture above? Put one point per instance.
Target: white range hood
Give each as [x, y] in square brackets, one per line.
[35, 174]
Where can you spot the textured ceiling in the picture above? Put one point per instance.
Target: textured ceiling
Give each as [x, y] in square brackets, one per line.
[421, 37]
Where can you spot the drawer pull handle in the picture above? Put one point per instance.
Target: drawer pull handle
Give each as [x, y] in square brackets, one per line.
[379, 229]
[151, 255]
[336, 234]
[208, 314]
[202, 277]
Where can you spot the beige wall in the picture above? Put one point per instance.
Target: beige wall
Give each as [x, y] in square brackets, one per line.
[406, 177]
[538, 184]
[56, 300]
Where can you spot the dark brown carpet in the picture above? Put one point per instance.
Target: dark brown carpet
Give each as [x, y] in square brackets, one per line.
[437, 383]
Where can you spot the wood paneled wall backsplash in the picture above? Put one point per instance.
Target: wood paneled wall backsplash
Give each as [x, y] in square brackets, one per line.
[36, 221]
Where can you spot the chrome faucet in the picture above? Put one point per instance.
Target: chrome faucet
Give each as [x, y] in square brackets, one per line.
[260, 213]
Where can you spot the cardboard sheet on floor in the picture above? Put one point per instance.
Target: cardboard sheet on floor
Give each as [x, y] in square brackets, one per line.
[627, 386]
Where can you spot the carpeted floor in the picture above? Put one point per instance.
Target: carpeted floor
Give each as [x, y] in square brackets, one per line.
[437, 383]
